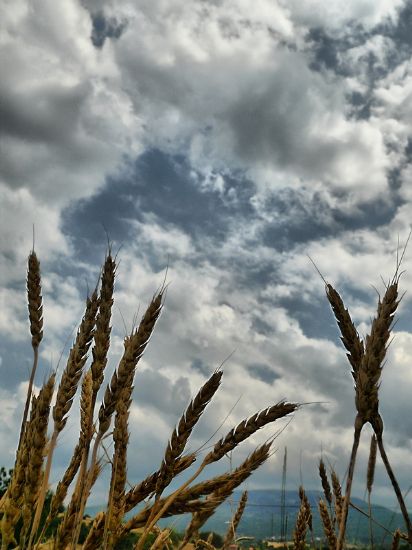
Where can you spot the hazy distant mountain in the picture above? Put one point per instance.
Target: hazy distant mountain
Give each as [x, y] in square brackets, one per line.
[262, 517]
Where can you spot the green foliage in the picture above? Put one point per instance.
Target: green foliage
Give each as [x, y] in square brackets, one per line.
[5, 477]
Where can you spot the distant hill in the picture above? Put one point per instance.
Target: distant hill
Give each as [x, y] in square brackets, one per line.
[261, 518]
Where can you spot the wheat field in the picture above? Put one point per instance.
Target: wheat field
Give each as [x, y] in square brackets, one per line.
[33, 517]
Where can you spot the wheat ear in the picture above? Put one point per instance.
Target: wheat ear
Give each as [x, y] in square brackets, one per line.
[349, 335]
[238, 434]
[302, 522]
[337, 494]
[327, 525]
[35, 306]
[231, 532]
[67, 526]
[325, 482]
[65, 393]
[116, 505]
[248, 427]
[188, 500]
[14, 496]
[185, 427]
[37, 438]
[182, 433]
[222, 493]
[100, 352]
[367, 381]
[209, 508]
[134, 346]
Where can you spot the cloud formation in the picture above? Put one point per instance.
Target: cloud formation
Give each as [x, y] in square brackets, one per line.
[227, 144]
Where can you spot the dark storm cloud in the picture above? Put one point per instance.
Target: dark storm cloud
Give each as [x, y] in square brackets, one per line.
[51, 113]
[300, 216]
[401, 31]
[158, 184]
[332, 53]
[104, 27]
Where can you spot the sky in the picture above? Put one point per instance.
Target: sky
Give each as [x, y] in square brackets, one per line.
[225, 142]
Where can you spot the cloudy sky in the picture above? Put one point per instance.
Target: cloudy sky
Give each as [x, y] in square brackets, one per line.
[227, 140]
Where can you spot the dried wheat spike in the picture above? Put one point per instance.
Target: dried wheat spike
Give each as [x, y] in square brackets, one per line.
[185, 427]
[325, 482]
[86, 407]
[327, 525]
[231, 532]
[76, 361]
[103, 329]
[368, 377]
[35, 300]
[246, 428]
[186, 502]
[134, 346]
[338, 498]
[302, 523]
[236, 476]
[37, 438]
[14, 496]
[116, 506]
[217, 497]
[349, 335]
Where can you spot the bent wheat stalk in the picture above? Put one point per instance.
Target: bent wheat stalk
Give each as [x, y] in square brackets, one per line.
[236, 435]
